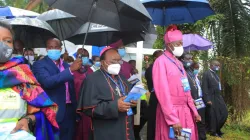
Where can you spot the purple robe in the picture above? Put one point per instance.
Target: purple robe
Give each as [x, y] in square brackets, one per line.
[126, 69]
[175, 105]
[84, 125]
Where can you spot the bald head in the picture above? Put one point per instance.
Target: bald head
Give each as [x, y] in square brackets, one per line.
[53, 43]
[109, 57]
[214, 63]
[157, 53]
[82, 52]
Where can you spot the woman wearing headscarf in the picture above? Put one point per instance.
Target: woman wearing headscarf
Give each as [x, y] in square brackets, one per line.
[22, 99]
[83, 126]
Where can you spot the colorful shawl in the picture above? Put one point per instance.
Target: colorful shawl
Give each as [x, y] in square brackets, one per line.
[18, 76]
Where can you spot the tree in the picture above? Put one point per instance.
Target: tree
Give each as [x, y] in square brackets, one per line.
[35, 5]
[32, 4]
[229, 30]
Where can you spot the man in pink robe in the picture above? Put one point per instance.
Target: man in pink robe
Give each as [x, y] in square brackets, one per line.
[176, 107]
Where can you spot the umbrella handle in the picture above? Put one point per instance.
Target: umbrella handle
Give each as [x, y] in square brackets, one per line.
[89, 19]
[62, 36]
[65, 47]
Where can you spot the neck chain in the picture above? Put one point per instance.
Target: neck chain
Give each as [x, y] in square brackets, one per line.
[194, 82]
[211, 72]
[118, 92]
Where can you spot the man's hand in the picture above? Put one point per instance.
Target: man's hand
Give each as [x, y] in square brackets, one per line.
[177, 129]
[198, 118]
[23, 124]
[209, 103]
[77, 64]
[133, 103]
[123, 106]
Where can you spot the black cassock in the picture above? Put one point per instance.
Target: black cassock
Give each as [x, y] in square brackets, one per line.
[216, 114]
[98, 102]
[151, 112]
[195, 95]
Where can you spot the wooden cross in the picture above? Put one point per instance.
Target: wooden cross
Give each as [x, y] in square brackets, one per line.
[140, 52]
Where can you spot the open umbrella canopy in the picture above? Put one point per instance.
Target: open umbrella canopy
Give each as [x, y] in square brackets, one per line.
[64, 24]
[101, 35]
[196, 42]
[118, 14]
[166, 12]
[31, 31]
[11, 12]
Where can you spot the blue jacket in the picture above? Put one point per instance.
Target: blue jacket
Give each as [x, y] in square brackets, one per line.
[53, 82]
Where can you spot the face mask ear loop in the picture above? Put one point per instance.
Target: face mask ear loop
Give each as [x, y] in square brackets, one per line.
[105, 63]
[170, 48]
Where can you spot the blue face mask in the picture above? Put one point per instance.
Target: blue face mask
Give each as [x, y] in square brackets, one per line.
[216, 68]
[98, 64]
[85, 61]
[122, 52]
[187, 64]
[54, 54]
[196, 72]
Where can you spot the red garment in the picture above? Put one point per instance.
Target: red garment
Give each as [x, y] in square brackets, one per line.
[126, 69]
[84, 125]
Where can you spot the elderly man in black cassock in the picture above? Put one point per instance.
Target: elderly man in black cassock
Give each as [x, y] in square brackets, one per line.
[216, 111]
[102, 98]
[192, 70]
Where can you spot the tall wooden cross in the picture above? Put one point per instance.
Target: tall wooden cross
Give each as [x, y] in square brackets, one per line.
[140, 52]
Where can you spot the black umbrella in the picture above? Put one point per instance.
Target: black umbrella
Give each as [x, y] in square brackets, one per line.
[101, 35]
[118, 14]
[31, 31]
[64, 24]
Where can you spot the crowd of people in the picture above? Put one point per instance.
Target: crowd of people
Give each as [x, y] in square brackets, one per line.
[60, 97]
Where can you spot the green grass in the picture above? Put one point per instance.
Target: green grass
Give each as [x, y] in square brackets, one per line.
[239, 131]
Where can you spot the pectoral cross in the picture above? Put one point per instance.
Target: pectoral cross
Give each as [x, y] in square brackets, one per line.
[118, 91]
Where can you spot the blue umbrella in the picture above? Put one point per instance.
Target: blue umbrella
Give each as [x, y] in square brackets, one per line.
[11, 12]
[166, 12]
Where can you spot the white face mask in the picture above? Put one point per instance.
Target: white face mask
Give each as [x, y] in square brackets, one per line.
[114, 69]
[30, 58]
[178, 51]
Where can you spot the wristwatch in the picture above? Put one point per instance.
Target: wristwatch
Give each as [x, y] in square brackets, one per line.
[30, 123]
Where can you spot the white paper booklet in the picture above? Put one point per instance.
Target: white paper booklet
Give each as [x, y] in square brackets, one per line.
[6, 128]
[185, 134]
[199, 104]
